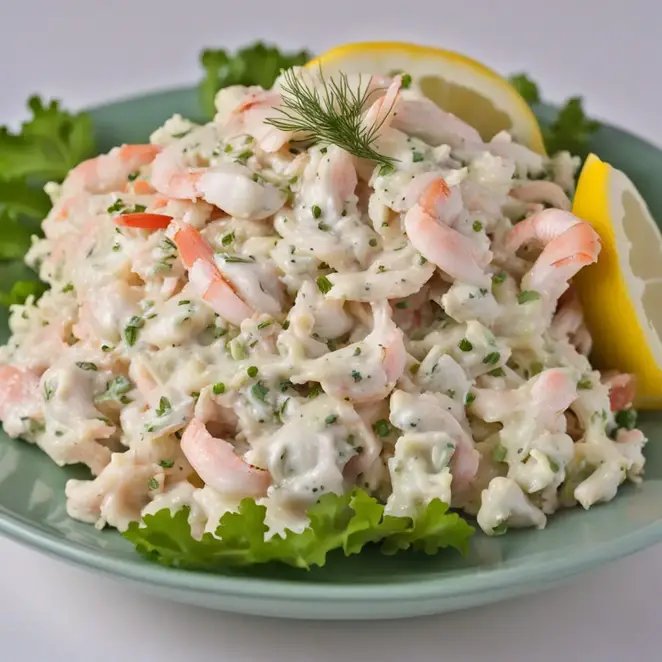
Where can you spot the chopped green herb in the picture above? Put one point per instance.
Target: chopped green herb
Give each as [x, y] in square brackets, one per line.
[117, 206]
[465, 345]
[402, 304]
[167, 464]
[184, 302]
[382, 427]
[528, 295]
[133, 175]
[227, 239]
[477, 226]
[235, 259]
[499, 278]
[49, 390]
[492, 358]
[626, 418]
[356, 376]
[584, 383]
[164, 407]
[405, 81]
[470, 397]
[324, 285]
[331, 419]
[417, 157]
[86, 365]
[264, 324]
[386, 169]
[357, 351]
[116, 389]
[259, 391]
[497, 372]
[107, 348]
[131, 330]
[316, 210]
[153, 484]
[69, 287]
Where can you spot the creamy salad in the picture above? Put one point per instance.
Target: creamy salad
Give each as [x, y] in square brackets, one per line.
[238, 311]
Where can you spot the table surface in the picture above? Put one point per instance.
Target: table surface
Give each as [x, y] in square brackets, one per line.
[87, 52]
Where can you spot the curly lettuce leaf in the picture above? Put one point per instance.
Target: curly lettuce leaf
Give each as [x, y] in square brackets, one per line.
[570, 129]
[348, 523]
[257, 64]
[47, 146]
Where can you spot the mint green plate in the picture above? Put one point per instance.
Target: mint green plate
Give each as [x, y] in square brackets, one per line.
[32, 508]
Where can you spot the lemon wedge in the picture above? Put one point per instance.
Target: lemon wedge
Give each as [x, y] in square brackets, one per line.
[455, 82]
[622, 293]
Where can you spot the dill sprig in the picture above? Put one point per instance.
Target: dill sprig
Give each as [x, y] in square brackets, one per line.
[332, 116]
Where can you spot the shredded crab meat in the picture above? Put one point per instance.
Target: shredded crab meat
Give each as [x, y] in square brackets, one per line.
[235, 313]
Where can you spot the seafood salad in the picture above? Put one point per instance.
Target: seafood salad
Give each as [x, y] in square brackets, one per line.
[239, 311]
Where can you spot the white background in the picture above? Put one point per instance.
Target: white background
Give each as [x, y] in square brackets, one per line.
[88, 51]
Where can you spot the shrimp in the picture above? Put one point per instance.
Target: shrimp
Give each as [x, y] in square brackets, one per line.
[19, 397]
[216, 462]
[427, 229]
[228, 186]
[568, 323]
[423, 118]
[542, 191]
[622, 389]
[381, 112]
[245, 114]
[206, 278]
[569, 245]
[543, 397]
[109, 172]
[364, 371]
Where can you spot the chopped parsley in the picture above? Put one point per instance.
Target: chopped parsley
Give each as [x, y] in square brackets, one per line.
[227, 239]
[153, 484]
[86, 365]
[465, 345]
[264, 324]
[132, 328]
[356, 376]
[584, 383]
[470, 397]
[492, 358]
[331, 419]
[382, 427]
[499, 278]
[164, 407]
[316, 210]
[528, 295]
[116, 389]
[259, 391]
[167, 464]
[405, 81]
[626, 418]
[324, 285]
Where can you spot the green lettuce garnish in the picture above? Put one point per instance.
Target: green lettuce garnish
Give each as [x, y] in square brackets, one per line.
[348, 523]
[570, 129]
[47, 146]
[257, 64]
